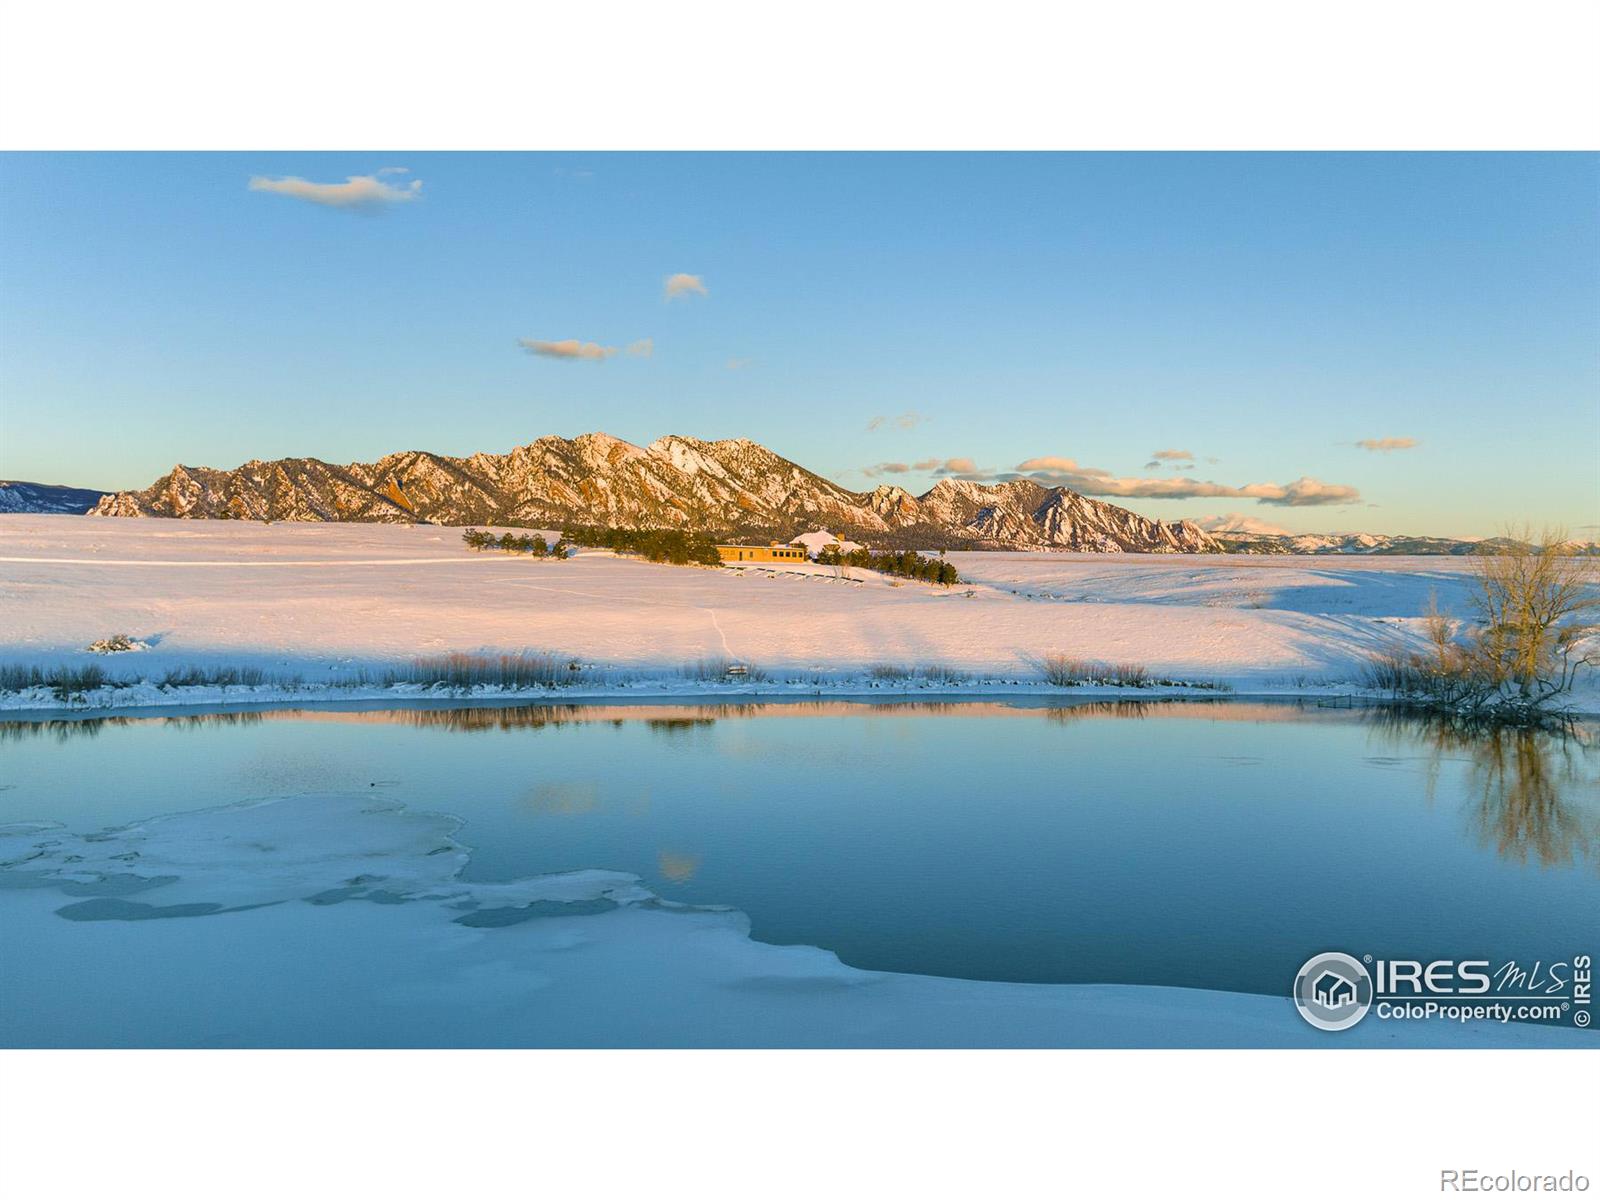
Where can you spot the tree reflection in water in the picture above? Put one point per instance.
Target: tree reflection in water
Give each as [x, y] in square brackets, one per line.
[65, 729]
[1530, 792]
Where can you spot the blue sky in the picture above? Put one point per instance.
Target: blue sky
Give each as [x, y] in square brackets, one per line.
[1065, 316]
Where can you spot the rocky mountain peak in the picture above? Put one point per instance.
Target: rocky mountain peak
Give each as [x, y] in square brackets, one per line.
[733, 487]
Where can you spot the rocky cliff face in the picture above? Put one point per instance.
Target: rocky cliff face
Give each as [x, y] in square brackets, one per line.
[734, 487]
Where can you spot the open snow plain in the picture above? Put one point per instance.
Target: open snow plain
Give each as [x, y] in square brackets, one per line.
[320, 604]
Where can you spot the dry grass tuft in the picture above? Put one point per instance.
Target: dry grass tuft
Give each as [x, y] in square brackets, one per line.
[214, 677]
[66, 682]
[524, 670]
[722, 670]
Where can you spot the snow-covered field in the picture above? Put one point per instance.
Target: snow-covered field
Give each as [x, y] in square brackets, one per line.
[322, 602]
[341, 920]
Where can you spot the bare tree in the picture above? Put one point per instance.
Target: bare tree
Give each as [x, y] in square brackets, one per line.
[1523, 652]
[1532, 603]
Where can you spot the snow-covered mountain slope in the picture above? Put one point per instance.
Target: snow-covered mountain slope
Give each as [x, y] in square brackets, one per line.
[1021, 513]
[734, 487]
[17, 495]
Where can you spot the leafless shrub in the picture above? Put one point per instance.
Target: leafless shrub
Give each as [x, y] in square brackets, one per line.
[1128, 675]
[65, 682]
[526, 669]
[939, 673]
[1064, 671]
[15, 678]
[722, 670]
[74, 681]
[178, 677]
[888, 671]
[1532, 605]
[1521, 655]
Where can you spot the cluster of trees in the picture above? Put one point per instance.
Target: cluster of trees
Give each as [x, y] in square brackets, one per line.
[658, 545]
[905, 563]
[513, 543]
[683, 546]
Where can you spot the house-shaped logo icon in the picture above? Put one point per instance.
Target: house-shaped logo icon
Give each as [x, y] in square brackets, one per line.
[1333, 991]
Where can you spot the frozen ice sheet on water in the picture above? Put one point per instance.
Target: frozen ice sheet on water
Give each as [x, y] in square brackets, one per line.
[344, 920]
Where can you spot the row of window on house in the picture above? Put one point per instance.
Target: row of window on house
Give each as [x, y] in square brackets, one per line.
[806, 546]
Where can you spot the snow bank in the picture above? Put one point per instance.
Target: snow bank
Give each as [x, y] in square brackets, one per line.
[343, 920]
[325, 602]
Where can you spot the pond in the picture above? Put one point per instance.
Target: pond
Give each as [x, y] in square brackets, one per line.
[1211, 845]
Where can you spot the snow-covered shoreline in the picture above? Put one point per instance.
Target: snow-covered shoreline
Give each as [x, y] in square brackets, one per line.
[318, 612]
[144, 697]
[345, 920]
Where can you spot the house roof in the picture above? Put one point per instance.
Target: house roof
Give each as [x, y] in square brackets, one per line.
[1330, 981]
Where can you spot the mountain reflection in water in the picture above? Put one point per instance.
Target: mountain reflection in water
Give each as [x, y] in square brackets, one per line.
[1207, 842]
[1528, 796]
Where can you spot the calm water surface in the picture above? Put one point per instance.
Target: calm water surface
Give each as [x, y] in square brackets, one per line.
[1211, 845]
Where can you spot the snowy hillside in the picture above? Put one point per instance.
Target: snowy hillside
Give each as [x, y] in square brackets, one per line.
[18, 496]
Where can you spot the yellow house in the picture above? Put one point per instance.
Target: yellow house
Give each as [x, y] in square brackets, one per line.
[776, 552]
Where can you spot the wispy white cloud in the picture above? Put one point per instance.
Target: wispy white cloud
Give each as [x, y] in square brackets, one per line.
[738, 364]
[1054, 464]
[1177, 460]
[682, 285]
[358, 192]
[900, 468]
[1053, 471]
[568, 349]
[1304, 492]
[643, 348]
[1384, 445]
[906, 420]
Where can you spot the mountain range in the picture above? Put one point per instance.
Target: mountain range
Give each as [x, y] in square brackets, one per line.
[734, 488]
[1242, 542]
[17, 495]
[1237, 542]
